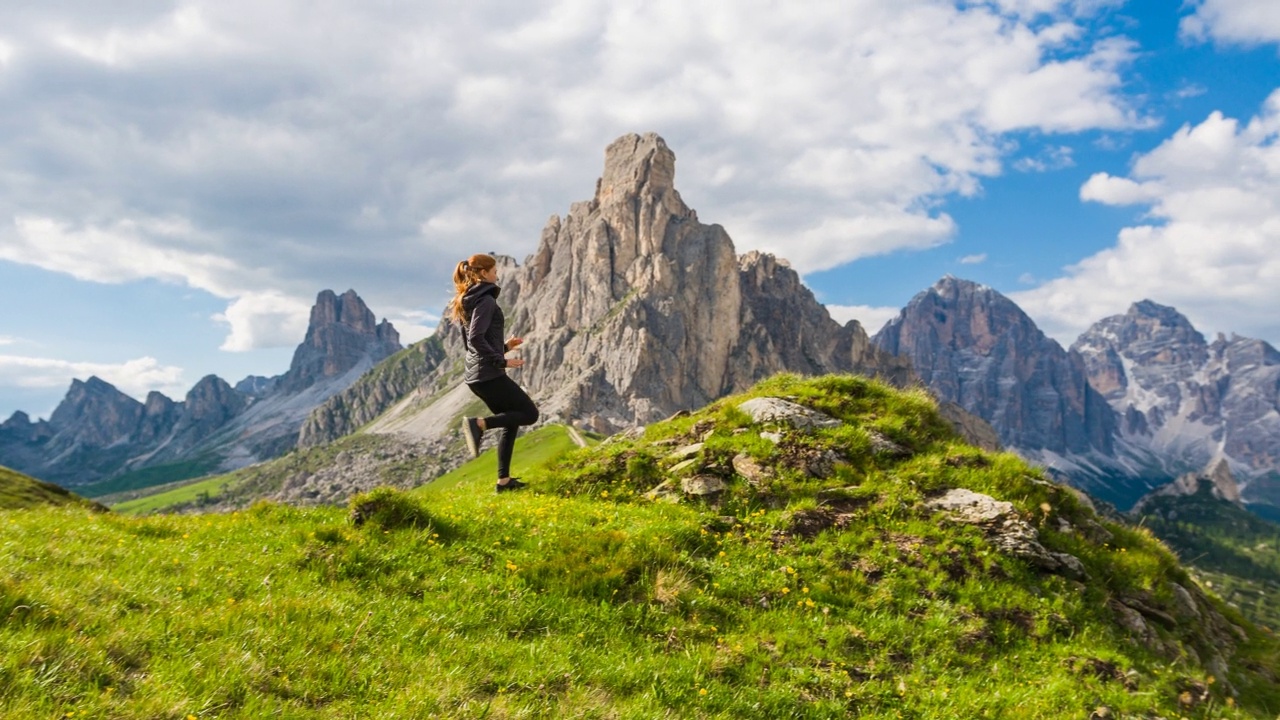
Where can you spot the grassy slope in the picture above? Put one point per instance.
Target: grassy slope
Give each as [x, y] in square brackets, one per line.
[18, 491]
[533, 451]
[152, 477]
[579, 599]
[1228, 547]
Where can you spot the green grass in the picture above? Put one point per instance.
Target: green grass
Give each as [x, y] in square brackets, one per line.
[533, 451]
[151, 477]
[185, 494]
[19, 491]
[580, 599]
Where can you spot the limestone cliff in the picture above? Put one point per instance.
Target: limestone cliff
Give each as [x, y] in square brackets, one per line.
[1186, 402]
[632, 309]
[976, 348]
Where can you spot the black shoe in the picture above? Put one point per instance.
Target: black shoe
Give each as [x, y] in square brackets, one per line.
[472, 432]
[514, 484]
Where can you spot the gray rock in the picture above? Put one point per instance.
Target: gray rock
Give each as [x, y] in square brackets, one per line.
[686, 451]
[751, 470]
[881, 445]
[683, 465]
[665, 492]
[702, 485]
[784, 412]
[1184, 603]
[1005, 530]
[974, 347]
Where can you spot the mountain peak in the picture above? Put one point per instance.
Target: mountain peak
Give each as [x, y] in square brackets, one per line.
[976, 348]
[635, 165]
[343, 332]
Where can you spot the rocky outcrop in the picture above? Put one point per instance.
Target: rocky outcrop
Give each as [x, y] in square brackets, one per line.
[1186, 403]
[373, 393]
[1007, 532]
[632, 309]
[342, 332]
[257, 385]
[974, 347]
[94, 413]
[20, 428]
[1217, 482]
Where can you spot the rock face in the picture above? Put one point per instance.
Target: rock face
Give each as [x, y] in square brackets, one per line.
[632, 309]
[342, 332]
[1216, 481]
[373, 393]
[98, 432]
[1188, 403]
[974, 347]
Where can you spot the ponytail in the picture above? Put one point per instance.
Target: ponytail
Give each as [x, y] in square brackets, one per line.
[466, 274]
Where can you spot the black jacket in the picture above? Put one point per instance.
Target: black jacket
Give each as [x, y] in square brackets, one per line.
[483, 334]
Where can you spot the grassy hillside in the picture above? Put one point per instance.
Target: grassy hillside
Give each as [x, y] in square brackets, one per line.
[1228, 547]
[18, 491]
[243, 486]
[826, 589]
[533, 452]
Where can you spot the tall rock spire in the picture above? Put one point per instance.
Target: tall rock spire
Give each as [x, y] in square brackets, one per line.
[632, 309]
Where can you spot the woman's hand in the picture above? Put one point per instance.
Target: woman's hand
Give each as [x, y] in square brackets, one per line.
[515, 362]
[514, 343]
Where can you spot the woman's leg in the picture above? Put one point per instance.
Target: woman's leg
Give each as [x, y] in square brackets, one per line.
[511, 408]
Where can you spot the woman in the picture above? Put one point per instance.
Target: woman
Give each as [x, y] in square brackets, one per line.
[475, 308]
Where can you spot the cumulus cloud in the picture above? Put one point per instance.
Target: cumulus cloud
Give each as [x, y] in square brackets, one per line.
[264, 320]
[263, 151]
[1212, 246]
[871, 318]
[134, 377]
[1238, 21]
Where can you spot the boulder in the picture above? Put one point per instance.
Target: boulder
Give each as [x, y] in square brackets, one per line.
[785, 412]
[1006, 531]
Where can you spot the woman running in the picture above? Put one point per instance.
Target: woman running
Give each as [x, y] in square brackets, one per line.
[475, 308]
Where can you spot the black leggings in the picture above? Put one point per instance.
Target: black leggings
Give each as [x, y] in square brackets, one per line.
[511, 408]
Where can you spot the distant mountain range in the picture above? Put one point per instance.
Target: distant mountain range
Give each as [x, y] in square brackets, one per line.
[632, 310]
[1137, 400]
[102, 440]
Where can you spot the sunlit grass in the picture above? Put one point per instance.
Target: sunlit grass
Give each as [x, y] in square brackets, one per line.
[579, 598]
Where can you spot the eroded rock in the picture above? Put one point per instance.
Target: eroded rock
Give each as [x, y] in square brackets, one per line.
[785, 412]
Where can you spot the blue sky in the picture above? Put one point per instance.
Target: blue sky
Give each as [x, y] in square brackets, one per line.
[179, 179]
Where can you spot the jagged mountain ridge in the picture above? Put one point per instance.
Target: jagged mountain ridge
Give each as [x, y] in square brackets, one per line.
[632, 309]
[98, 432]
[1137, 400]
[1188, 402]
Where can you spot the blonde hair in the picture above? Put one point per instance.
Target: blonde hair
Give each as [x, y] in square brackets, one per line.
[464, 276]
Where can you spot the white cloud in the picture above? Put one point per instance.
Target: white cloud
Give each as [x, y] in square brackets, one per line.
[263, 151]
[264, 320]
[7, 340]
[413, 325]
[1050, 158]
[6, 52]
[181, 32]
[134, 377]
[1212, 246]
[1242, 21]
[128, 249]
[973, 259]
[871, 318]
